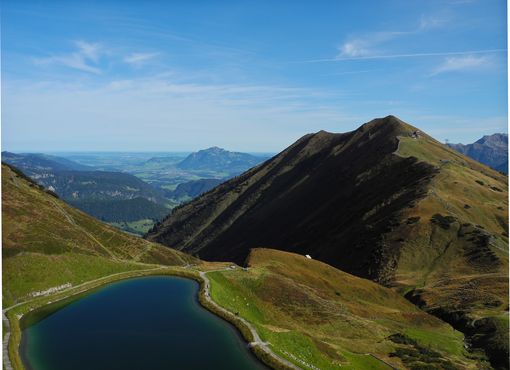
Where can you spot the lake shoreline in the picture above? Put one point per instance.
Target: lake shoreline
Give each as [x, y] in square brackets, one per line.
[18, 314]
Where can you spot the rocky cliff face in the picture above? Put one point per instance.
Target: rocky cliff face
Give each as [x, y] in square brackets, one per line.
[491, 150]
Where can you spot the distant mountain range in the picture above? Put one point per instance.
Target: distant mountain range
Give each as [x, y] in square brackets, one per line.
[385, 202]
[122, 196]
[491, 150]
[219, 160]
[108, 196]
[38, 163]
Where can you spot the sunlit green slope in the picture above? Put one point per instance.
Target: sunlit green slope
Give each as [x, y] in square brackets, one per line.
[48, 244]
[319, 317]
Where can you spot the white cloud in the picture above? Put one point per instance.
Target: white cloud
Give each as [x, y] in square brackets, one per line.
[369, 46]
[462, 63]
[88, 50]
[137, 59]
[410, 55]
[84, 59]
[365, 46]
[354, 48]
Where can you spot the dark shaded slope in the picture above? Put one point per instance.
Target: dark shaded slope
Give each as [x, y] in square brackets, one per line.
[328, 195]
[192, 189]
[384, 202]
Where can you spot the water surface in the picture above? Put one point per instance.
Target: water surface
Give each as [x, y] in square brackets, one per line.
[144, 323]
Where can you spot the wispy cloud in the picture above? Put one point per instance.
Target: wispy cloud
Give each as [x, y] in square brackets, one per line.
[84, 58]
[138, 59]
[410, 55]
[365, 46]
[374, 45]
[88, 50]
[343, 73]
[370, 44]
[463, 63]
[354, 48]
[428, 22]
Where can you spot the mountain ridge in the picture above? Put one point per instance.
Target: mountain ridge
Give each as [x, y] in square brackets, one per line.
[33, 163]
[308, 146]
[385, 202]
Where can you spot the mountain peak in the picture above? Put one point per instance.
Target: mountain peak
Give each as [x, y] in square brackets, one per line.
[218, 159]
[321, 170]
[214, 149]
[494, 139]
[382, 202]
[391, 123]
[491, 150]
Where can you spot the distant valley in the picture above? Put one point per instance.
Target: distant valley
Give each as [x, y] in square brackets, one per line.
[131, 191]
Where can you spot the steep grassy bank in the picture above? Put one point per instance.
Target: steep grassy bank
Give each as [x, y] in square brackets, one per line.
[46, 244]
[385, 202]
[454, 258]
[319, 317]
[51, 251]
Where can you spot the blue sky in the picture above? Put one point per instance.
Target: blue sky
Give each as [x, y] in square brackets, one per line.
[246, 75]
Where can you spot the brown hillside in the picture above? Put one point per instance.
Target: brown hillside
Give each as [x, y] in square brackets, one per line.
[379, 202]
[47, 244]
[329, 195]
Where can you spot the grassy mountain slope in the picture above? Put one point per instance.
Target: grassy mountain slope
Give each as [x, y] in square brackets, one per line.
[124, 210]
[384, 202]
[46, 243]
[315, 315]
[317, 197]
[455, 258]
[106, 195]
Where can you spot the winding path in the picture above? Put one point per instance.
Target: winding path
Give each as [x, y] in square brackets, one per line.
[257, 341]
[5, 344]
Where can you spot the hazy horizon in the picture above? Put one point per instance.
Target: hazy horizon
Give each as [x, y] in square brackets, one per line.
[162, 152]
[94, 152]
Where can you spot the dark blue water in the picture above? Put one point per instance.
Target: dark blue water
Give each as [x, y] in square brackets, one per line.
[143, 323]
